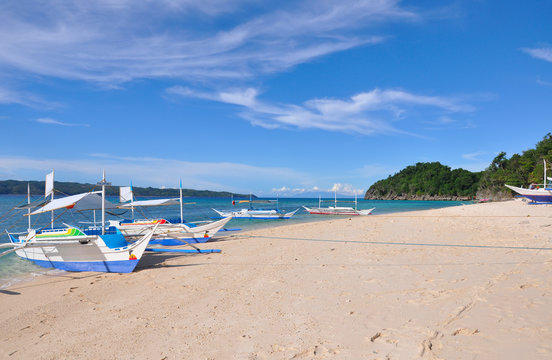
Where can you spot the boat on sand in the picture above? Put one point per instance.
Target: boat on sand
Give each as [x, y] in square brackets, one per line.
[541, 193]
[72, 249]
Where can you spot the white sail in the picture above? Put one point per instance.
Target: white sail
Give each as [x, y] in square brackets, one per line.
[153, 202]
[49, 184]
[86, 201]
[125, 194]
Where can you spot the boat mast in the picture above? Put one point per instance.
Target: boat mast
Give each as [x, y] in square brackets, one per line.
[53, 197]
[544, 173]
[103, 184]
[49, 190]
[132, 200]
[29, 205]
[355, 202]
[181, 205]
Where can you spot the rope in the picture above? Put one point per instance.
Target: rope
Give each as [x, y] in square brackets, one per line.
[404, 243]
[461, 216]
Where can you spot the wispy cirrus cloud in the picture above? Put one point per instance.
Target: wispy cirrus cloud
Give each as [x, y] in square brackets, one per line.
[56, 122]
[543, 82]
[473, 156]
[112, 42]
[542, 53]
[366, 113]
[9, 96]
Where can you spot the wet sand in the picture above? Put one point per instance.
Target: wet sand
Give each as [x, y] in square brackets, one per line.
[468, 282]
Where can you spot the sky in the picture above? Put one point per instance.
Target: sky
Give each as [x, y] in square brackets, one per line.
[287, 98]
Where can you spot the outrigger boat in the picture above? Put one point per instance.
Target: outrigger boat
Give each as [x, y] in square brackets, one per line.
[338, 210]
[251, 213]
[540, 193]
[73, 249]
[167, 233]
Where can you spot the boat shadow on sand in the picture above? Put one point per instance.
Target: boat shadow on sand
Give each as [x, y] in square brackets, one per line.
[152, 260]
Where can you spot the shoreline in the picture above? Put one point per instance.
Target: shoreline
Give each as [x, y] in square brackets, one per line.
[395, 285]
[27, 271]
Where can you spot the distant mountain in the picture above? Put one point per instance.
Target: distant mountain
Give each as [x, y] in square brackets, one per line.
[71, 188]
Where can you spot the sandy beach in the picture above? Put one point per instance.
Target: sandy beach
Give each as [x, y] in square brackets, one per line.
[467, 282]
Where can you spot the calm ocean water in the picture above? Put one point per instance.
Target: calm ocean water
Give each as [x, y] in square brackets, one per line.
[13, 269]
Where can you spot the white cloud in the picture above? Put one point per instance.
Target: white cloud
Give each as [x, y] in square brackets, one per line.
[346, 189]
[9, 96]
[366, 113]
[144, 171]
[113, 42]
[473, 156]
[446, 120]
[543, 53]
[285, 191]
[56, 122]
[342, 190]
[543, 82]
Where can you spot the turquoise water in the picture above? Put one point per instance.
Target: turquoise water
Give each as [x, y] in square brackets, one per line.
[13, 269]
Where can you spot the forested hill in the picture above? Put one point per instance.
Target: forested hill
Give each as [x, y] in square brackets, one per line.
[518, 170]
[433, 181]
[71, 188]
[426, 181]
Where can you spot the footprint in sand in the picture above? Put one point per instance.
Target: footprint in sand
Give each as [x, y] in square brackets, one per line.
[464, 331]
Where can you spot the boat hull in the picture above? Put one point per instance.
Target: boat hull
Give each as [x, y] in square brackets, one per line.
[179, 241]
[173, 234]
[256, 214]
[537, 195]
[338, 211]
[82, 252]
[123, 266]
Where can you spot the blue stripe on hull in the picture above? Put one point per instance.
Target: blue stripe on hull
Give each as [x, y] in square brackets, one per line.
[186, 251]
[260, 218]
[176, 242]
[266, 218]
[121, 266]
[539, 198]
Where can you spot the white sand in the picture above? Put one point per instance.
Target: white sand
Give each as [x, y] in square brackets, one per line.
[354, 293]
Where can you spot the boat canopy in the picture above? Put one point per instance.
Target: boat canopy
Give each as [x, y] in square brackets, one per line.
[153, 202]
[85, 201]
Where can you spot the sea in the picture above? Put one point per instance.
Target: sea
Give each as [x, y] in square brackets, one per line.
[14, 270]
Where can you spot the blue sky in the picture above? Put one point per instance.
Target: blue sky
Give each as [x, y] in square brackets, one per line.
[295, 98]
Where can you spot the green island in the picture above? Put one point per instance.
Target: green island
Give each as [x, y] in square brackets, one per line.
[434, 181]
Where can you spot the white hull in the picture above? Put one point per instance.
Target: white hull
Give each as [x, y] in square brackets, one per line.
[82, 252]
[538, 195]
[164, 230]
[332, 210]
[256, 214]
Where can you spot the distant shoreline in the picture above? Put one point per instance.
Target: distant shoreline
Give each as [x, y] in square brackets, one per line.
[19, 187]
